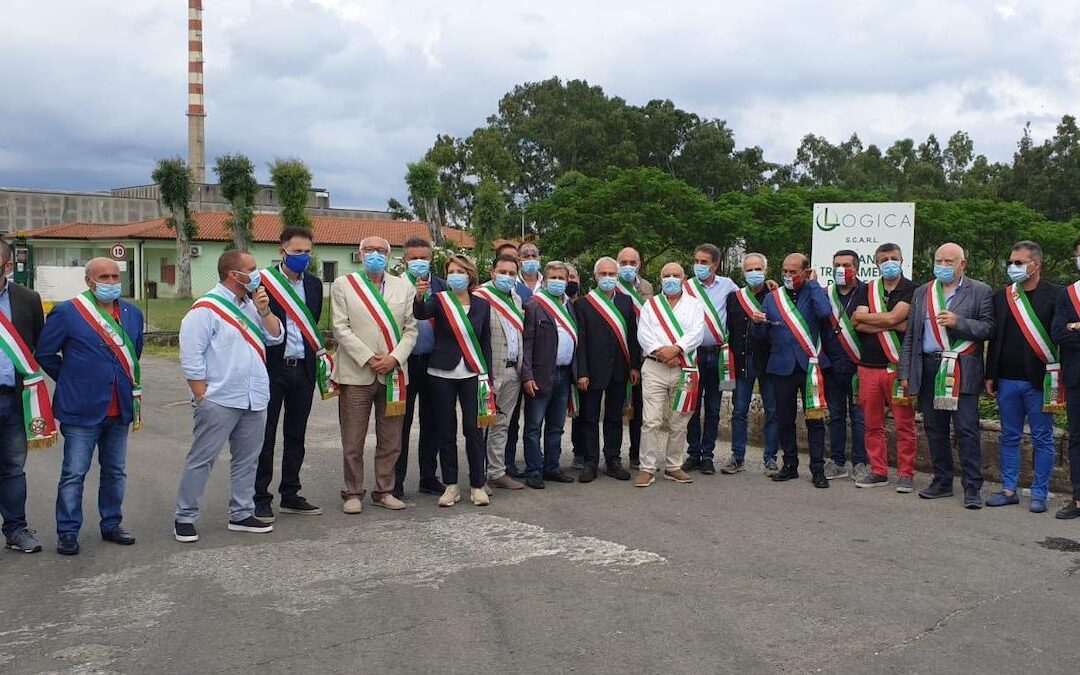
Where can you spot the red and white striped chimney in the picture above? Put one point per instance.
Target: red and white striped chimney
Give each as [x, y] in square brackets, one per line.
[196, 110]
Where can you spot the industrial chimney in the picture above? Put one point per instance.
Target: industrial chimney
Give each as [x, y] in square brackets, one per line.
[196, 112]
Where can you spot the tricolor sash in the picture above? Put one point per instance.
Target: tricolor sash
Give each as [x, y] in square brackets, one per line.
[373, 301]
[228, 312]
[890, 342]
[38, 420]
[117, 340]
[469, 345]
[277, 284]
[606, 308]
[840, 320]
[628, 288]
[686, 396]
[814, 392]
[726, 361]
[560, 314]
[748, 300]
[502, 303]
[948, 380]
[1039, 340]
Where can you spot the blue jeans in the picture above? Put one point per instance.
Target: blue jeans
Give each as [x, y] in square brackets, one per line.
[110, 437]
[744, 390]
[12, 462]
[700, 442]
[547, 410]
[843, 402]
[1018, 399]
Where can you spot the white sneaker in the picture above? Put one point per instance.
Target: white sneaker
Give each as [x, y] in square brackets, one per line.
[451, 496]
[389, 501]
[352, 505]
[479, 497]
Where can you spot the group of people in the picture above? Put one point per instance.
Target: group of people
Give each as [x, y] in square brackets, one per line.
[519, 354]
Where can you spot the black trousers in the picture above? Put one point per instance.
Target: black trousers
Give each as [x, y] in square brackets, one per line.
[417, 404]
[635, 423]
[788, 390]
[446, 395]
[965, 424]
[577, 431]
[1072, 404]
[291, 388]
[613, 399]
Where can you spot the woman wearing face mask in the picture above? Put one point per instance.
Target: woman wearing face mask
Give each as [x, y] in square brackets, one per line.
[460, 372]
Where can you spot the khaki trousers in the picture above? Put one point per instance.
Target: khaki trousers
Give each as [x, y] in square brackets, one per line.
[354, 411]
[507, 390]
[660, 452]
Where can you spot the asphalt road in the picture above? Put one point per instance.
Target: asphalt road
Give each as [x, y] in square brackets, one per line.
[726, 574]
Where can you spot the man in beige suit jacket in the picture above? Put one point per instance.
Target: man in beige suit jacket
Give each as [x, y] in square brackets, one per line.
[364, 363]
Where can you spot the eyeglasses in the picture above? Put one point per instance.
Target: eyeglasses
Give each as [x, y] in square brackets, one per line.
[1019, 262]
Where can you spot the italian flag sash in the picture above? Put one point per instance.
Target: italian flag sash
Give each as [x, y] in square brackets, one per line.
[840, 320]
[606, 308]
[117, 340]
[748, 300]
[685, 400]
[228, 312]
[890, 342]
[467, 341]
[628, 288]
[38, 420]
[948, 380]
[1039, 340]
[277, 284]
[814, 393]
[373, 300]
[502, 303]
[726, 361]
[560, 314]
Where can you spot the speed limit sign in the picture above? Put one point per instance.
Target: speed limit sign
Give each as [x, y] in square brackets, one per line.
[118, 252]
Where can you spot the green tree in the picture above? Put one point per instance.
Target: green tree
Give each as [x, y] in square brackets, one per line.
[488, 218]
[292, 184]
[236, 175]
[173, 178]
[423, 181]
[399, 211]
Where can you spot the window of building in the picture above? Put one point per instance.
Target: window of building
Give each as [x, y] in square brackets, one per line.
[329, 270]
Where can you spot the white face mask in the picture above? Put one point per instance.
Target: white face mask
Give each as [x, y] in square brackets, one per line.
[1078, 262]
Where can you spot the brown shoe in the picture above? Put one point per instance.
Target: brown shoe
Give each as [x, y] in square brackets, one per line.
[506, 483]
[389, 501]
[644, 479]
[678, 475]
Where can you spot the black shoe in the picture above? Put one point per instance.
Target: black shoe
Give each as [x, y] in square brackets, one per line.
[936, 491]
[972, 498]
[250, 524]
[397, 492]
[264, 512]
[296, 505]
[432, 487]
[185, 532]
[614, 468]
[68, 545]
[706, 467]
[786, 474]
[535, 482]
[557, 477]
[513, 471]
[820, 481]
[691, 463]
[1069, 512]
[119, 536]
[588, 474]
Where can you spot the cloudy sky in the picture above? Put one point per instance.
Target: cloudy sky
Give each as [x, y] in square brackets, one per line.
[93, 92]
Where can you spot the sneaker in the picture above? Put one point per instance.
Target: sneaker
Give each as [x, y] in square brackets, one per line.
[185, 532]
[451, 496]
[936, 491]
[68, 544]
[771, 468]
[264, 512]
[578, 463]
[1002, 499]
[972, 499]
[679, 476]
[872, 480]
[505, 482]
[833, 471]
[250, 524]
[733, 466]
[352, 505]
[298, 506]
[905, 484]
[479, 497]
[644, 479]
[24, 541]
[860, 470]
[1037, 505]
[706, 467]
[691, 463]
[536, 482]
[614, 469]
[388, 501]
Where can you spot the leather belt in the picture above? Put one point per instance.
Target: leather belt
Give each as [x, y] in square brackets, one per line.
[7, 391]
[293, 363]
[511, 364]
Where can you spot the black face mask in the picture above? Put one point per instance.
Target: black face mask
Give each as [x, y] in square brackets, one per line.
[572, 288]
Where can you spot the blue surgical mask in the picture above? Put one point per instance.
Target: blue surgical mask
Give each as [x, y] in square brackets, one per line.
[556, 287]
[1018, 273]
[504, 282]
[628, 273]
[297, 262]
[702, 272]
[530, 266]
[107, 292]
[606, 284]
[944, 273]
[672, 286]
[419, 268]
[374, 262]
[755, 278]
[890, 269]
[457, 281]
[254, 279]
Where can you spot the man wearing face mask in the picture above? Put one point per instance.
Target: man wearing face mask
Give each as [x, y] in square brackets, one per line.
[91, 347]
[751, 358]
[881, 317]
[794, 315]
[524, 293]
[419, 400]
[1065, 331]
[375, 327]
[1023, 370]
[577, 427]
[638, 289]
[942, 364]
[295, 367]
[530, 280]
[223, 341]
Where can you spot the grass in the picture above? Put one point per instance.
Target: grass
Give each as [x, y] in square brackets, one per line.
[164, 314]
[171, 352]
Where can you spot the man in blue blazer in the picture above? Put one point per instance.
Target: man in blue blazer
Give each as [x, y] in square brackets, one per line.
[789, 363]
[91, 346]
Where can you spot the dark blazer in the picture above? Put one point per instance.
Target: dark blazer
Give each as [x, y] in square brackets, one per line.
[540, 346]
[28, 318]
[974, 307]
[1043, 304]
[84, 367]
[742, 342]
[599, 356]
[313, 298]
[447, 353]
[785, 353]
[1068, 340]
[839, 360]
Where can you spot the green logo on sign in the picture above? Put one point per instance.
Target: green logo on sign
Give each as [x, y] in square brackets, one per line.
[823, 223]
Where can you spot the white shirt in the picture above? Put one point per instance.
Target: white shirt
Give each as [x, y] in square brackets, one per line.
[718, 292]
[513, 338]
[564, 355]
[461, 371]
[689, 312]
[215, 351]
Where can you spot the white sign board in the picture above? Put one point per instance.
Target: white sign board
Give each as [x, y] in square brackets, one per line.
[861, 227]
